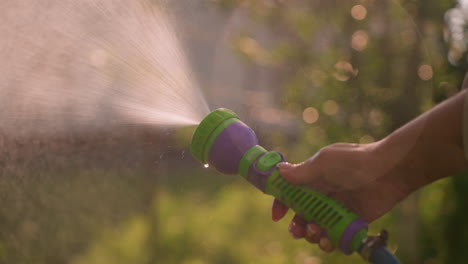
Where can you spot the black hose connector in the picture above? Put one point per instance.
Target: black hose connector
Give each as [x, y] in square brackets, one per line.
[373, 250]
[381, 255]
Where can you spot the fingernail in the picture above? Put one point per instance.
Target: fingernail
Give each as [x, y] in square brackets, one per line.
[285, 166]
[310, 231]
[274, 217]
[323, 242]
[290, 231]
[290, 228]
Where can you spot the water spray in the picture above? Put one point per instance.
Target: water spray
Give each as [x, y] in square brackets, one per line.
[224, 142]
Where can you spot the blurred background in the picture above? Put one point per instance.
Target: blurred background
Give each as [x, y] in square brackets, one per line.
[303, 74]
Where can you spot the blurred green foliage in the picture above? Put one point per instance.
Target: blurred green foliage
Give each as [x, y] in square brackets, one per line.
[227, 225]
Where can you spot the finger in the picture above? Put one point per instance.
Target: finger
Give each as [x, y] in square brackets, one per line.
[299, 173]
[326, 245]
[307, 172]
[297, 227]
[278, 210]
[313, 233]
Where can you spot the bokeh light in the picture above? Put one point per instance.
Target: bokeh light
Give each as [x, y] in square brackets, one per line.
[344, 71]
[425, 72]
[310, 115]
[375, 117]
[358, 12]
[330, 107]
[250, 47]
[359, 40]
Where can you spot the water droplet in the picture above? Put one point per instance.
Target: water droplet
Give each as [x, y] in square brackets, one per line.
[206, 165]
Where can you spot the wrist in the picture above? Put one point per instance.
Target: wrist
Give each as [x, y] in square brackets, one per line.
[402, 166]
[428, 148]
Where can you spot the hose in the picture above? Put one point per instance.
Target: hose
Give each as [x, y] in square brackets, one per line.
[381, 255]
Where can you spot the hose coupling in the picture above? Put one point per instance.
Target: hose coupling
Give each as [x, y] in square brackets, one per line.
[370, 243]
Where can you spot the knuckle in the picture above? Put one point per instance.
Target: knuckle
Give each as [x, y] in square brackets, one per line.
[324, 153]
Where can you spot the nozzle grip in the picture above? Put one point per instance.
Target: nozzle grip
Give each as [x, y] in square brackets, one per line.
[344, 228]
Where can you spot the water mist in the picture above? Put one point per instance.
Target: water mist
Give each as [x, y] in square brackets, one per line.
[86, 64]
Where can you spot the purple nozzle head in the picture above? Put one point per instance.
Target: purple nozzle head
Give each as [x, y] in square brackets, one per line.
[221, 140]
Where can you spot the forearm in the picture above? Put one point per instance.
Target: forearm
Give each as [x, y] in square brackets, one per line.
[428, 148]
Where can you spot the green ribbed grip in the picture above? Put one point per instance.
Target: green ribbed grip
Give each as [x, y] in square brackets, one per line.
[315, 206]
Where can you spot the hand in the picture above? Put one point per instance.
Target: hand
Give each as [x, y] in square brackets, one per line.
[356, 175]
[370, 179]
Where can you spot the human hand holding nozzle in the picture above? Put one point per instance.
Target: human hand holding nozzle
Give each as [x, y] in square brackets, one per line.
[343, 185]
[370, 179]
[231, 147]
[350, 174]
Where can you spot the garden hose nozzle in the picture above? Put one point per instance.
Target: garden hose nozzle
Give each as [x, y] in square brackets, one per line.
[224, 142]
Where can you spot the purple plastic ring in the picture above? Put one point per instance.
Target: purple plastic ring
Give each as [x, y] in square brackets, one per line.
[348, 234]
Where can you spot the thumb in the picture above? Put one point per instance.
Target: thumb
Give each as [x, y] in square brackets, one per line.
[300, 173]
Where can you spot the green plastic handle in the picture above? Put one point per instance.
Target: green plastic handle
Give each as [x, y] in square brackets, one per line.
[259, 166]
[312, 205]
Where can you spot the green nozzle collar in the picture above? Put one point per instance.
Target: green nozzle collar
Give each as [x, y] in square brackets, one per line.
[208, 130]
